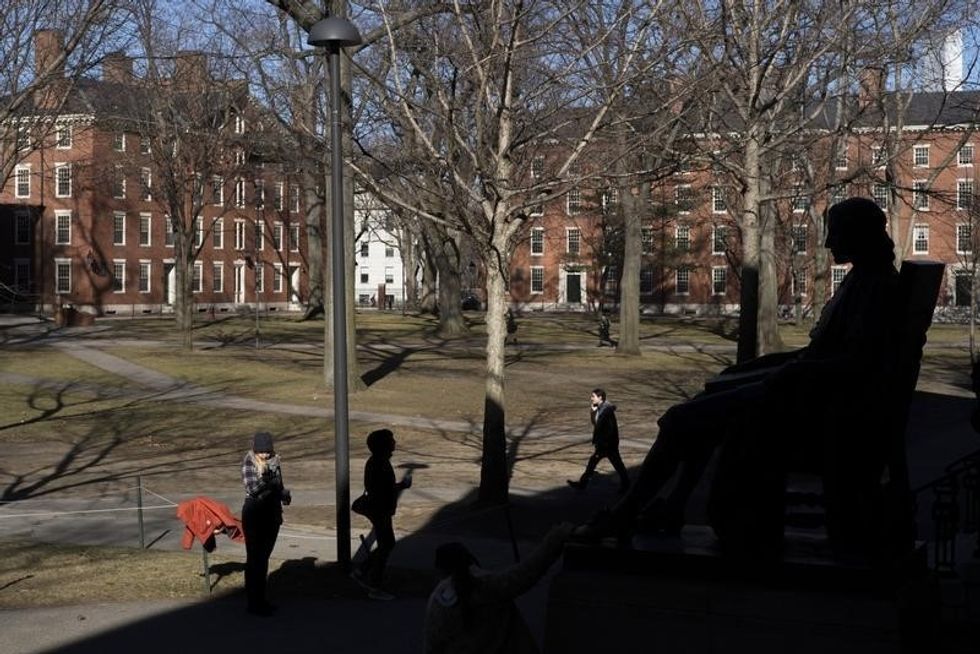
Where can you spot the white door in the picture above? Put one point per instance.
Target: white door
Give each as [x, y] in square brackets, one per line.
[239, 283]
[170, 272]
[294, 284]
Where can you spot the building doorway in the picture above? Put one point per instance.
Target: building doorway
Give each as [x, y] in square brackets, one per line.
[239, 283]
[962, 288]
[294, 285]
[169, 282]
[573, 287]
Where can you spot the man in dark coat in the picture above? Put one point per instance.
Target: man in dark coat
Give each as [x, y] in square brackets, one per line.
[605, 440]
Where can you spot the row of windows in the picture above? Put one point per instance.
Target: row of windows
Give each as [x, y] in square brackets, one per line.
[365, 275]
[63, 276]
[682, 280]
[681, 239]
[365, 250]
[964, 239]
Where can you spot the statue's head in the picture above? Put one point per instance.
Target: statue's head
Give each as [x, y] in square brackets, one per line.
[856, 233]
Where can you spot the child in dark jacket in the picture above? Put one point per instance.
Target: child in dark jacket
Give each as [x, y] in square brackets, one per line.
[382, 492]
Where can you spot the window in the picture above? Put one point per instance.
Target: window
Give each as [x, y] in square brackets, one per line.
[277, 236]
[880, 193]
[168, 232]
[573, 240]
[719, 280]
[537, 168]
[144, 278]
[119, 142]
[22, 274]
[294, 241]
[119, 229]
[840, 161]
[537, 279]
[838, 193]
[239, 192]
[920, 239]
[964, 238]
[964, 157]
[62, 176]
[144, 145]
[573, 201]
[146, 185]
[801, 200]
[797, 235]
[62, 137]
[684, 198]
[23, 137]
[239, 124]
[294, 198]
[62, 275]
[718, 203]
[799, 282]
[62, 228]
[837, 274]
[22, 228]
[118, 276]
[198, 232]
[719, 239]
[22, 181]
[239, 157]
[365, 249]
[646, 281]
[217, 191]
[682, 238]
[389, 275]
[365, 277]
[218, 234]
[277, 197]
[196, 280]
[277, 278]
[239, 234]
[146, 223]
[537, 241]
[646, 240]
[389, 252]
[217, 277]
[118, 182]
[535, 210]
[259, 277]
[920, 195]
[878, 156]
[610, 198]
[964, 194]
[258, 233]
[682, 281]
[920, 156]
[962, 288]
[259, 195]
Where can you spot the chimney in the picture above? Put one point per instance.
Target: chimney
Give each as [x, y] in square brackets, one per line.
[117, 67]
[872, 85]
[48, 48]
[191, 68]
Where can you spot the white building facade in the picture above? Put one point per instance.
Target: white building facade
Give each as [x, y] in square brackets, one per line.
[379, 278]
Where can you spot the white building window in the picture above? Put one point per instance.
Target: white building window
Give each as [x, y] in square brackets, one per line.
[920, 156]
[22, 275]
[537, 168]
[682, 238]
[119, 142]
[294, 198]
[610, 198]
[277, 278]
[62, 228]
[573, 201]
[169, 229]
[537, 279]
[23, 137]
[259, 277]
[881, 193]
[145, 145]
[217, 191]
[964, 156]
[62, 137]
[365, 249]
[920, 195]
[799, 283]
[22, 228]
[239, 192]
[119, 229]
[144, 280]
[146, 184]
[920, 239]
[218, 234]
[840, 161]
[62, 176]
[964, 194]
[119, 276]
[801, 200]
[389, 275]
[217, 277]
[878, 156]
[277, 236]
[198, 232]
[22, 181]
[259, 193]
[684, 198]
[258, 232]
[389, 252]
[239, 234]
[537, 241]
[239, 124]
[964, 238]
[146, 229]
[682, 281]
[62, 275]
[197, 282]
[646, 240]
[719, 239]
[294, 240]
[573, 240]
[838, 193]
[798, 238]
[118, 182]
[719, 280]
[365, 275]
[837, 274]
[718, 202]
[277, 196]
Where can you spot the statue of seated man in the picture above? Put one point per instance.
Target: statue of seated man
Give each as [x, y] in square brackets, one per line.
[815, 407]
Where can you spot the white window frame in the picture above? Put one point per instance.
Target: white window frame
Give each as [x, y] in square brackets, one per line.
[838, 193]
[798, 279]
[145, 145]
[920, 195]
[218, 199]
[240, 198]
[841, 159]
[531, 284]
[682, 238]
[259, 187]
[964, 200]
[198, 231]
[719, 204]
[119, 228]
[23, 137]
[58, 168]
[217, 277]
[239, 234]
[916, 151]
[60, 131]
[835, 272]
[682, 277]
[259, 277]
[537, 239]
[168, 232]
[58, 217]
[364, 275]
[218, 234]
[118, 182]
[59, 265]
[22, 227]
[719, 273]
[22, 274]
[964, 232]
[568, 240]
[920, 238]
[239, 123]
[119, 141]
[573, 201]
[22, 172]
[294, 198]
[886, 195]
[966, 147]
[278, 197]
[646, 273]
[146, 184]
[801, 200]
[684, 198]
[277, 278]
[277, 234]
[389, 274]
[118, 275]
[146, 220]
[294, 235]
[537, 167]
[197, 277]
[795, 231]
[879, 156]
[145, 273]
[719, 231]
[646, 240]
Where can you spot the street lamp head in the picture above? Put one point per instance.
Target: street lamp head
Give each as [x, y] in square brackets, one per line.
[334, 32]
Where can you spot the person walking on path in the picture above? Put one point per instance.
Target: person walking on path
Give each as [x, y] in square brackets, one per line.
[261, 517]
[605, 440]
[381, 490]
[472, 610]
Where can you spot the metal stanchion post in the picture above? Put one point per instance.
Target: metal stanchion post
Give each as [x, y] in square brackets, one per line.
[139, 510]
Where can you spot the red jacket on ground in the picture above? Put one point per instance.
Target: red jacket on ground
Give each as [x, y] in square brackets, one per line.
[203, 517]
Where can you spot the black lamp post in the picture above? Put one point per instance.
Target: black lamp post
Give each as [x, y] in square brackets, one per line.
[334, 33]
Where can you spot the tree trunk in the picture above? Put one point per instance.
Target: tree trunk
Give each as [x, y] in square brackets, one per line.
[451, 321]
[629, 285]
[749, 288]
[821, 266]
[768, 327]
[316, 241]
[409, 266]
[184, 293]
[493, 467]
[428, 299]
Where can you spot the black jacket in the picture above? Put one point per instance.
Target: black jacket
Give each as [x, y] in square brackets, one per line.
[605, 429]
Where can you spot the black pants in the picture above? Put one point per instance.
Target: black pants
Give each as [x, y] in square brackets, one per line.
[611, 453]
[384, 534]
[260, 522]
